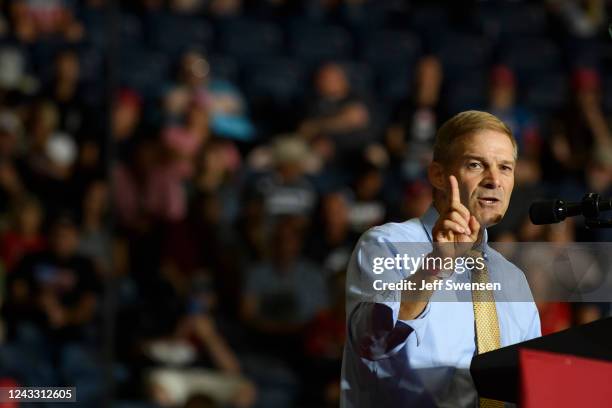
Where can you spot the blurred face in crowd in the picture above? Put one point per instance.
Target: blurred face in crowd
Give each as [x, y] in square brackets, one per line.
[194, 69]
[331, 82]
[502, 89]
[67, 66]
[45, 119]
[96, 199]
[502, 95]
[8, 143]
[429, 80]
[369, 185]
[65, 239]
[125, 119]
[335, 209]
[29, 218]
[484, 167]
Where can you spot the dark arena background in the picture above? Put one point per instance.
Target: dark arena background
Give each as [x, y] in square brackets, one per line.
[182, 182]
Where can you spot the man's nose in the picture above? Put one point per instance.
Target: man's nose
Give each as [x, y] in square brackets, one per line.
[491, 179]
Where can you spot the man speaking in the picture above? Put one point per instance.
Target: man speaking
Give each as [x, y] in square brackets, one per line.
[415, 351]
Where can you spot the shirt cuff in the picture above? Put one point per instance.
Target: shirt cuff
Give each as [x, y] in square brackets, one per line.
[417, 324]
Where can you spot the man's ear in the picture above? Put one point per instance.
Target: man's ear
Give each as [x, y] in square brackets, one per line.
[437, 176]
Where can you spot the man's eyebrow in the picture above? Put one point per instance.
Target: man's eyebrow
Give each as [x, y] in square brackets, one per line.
[474, 157]
[483, 159]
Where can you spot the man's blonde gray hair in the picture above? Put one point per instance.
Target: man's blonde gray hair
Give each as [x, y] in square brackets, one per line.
[463, 124]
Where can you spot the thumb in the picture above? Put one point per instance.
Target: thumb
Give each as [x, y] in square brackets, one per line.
[474, 228]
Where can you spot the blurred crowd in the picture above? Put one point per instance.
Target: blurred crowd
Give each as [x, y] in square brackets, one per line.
[182, 182]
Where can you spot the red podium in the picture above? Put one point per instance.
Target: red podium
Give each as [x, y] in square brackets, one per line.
[562, 380]
[571, 368]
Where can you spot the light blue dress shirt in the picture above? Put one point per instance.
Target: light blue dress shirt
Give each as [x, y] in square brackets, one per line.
[422, 362]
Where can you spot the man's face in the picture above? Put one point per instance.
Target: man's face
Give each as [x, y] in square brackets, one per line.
[484, 166]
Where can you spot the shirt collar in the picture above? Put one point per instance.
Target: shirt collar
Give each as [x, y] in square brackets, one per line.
[428, 220]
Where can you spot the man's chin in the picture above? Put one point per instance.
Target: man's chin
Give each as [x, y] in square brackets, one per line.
[488, 218]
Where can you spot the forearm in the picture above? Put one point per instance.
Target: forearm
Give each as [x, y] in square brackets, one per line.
[223, 357]
[601, 131]
[351, 118]
[415, 300]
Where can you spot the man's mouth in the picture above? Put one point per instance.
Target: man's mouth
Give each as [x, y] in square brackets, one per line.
[489, 200]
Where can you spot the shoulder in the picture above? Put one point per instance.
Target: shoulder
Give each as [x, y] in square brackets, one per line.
[512, 277]
[498, 258]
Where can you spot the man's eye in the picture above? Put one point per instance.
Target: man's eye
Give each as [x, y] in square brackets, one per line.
[474, 165]
[506, 168]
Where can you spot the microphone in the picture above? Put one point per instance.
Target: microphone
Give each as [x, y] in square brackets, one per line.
[554, 211]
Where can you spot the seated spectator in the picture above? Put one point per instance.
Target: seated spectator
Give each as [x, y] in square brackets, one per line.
[184, 142]
[416, 200]
[34, 20]
[11, 185]
[285, 190]
[415, 121]
[11, 135]
[185, 350]
[224, 8]
[24, 236]
[324, 345]
[285, 292]
[332, 240]
[367, 206]
[147, 189]
[338, 113]
[582, 18]
[579, 129]
[55, 289]
[222, 100]
[126, 121]
[502, 103]
[65, 89]
[50, 158]
[95, 236]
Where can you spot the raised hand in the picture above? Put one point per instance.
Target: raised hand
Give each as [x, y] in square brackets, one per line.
[456, 229]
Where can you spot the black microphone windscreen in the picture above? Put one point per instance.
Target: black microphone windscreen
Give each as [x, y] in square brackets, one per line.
[544, 212]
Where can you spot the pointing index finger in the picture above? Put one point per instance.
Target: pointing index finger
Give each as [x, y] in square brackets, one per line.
[454, 191]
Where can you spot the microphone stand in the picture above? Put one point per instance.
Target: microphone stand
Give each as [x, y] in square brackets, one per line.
[590, 210]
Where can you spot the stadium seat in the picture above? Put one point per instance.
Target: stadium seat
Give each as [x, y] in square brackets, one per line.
[393, 55]
[360, 76]
[513, 19]
[394, 83]
[468, 93]
[391, 47]
[547, 93]
[461, 53]
[315, 44]
[130, 29]
[528, 56]
[92, 64]
[248, 40]
[277, 79]
[427, 19]
[143, 70]
[175, 34]
[223, 67]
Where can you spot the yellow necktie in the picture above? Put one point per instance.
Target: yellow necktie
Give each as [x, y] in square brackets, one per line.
[485, 318]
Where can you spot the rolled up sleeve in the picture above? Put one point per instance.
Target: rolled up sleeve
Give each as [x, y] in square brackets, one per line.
[374, 330]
